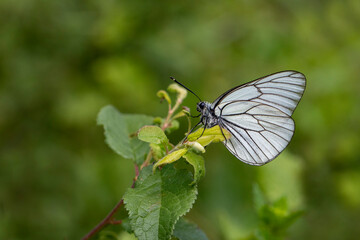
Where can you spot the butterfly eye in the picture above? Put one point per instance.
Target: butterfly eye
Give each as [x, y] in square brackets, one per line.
[200, 106]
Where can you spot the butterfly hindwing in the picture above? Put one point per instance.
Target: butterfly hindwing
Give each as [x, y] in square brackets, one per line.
[259, 133]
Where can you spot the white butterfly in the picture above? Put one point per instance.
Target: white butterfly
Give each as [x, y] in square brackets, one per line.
[258, 115]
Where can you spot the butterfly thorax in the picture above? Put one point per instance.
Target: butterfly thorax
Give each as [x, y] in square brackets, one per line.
[208, 117]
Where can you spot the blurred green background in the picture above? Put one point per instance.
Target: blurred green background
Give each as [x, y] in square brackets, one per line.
[62, 60]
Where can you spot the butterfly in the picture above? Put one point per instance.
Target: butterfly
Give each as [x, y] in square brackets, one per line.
[257, 114]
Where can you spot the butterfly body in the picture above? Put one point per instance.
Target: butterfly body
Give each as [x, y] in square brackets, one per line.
[258, 115]
[208, 117]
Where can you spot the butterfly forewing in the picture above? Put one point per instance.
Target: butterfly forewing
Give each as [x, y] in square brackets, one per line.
[258, 115]
[281, 90]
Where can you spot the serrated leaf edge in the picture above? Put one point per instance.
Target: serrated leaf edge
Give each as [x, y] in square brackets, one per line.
[192, 204]
[177, 219]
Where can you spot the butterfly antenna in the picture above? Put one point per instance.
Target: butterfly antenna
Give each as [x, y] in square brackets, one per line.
[184, 87]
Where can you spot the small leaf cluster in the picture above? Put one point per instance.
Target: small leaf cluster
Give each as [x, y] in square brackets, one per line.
[162, 191]
[274, 218]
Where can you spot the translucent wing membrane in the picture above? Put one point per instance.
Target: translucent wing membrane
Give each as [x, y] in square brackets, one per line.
[259, 132]
[258, 115]
[281, 90]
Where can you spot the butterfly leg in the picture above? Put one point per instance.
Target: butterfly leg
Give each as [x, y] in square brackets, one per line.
[191, 131]
[206, 121]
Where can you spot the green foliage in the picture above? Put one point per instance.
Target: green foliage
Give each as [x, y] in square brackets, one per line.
[175, 88]
[172, 157]
[274, 218]
[120, 132]
[152, 134]
[164, 95]
[198, 163]
[174, 125]
[214, 134]
[158, 200]
[185, 230]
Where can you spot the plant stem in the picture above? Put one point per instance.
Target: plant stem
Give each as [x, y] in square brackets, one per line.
[105, 221]
[147, 160]
[109, 218]
[171, 111]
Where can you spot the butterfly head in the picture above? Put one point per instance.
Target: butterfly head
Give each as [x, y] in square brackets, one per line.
[208, 117]
[200, 106]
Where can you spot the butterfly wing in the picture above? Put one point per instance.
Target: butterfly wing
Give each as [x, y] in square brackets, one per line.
[258, 115]
[282, 90]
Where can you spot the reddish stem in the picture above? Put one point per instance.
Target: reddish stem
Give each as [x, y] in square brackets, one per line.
[105, 221]
[115, 221]
[109, 218]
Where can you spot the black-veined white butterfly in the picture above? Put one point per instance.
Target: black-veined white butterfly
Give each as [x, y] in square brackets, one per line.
[257, 114]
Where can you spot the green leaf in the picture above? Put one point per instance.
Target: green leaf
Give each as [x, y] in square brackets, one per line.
[160, 150]
[158, 121]
[164, 95]
[174, 125]
[158, 200]
[152, 134]
[125, 224]
[157, 150]
[180, 114]
[198, 163]
[171, 157]
[181, 92]
[280, 206]
[209, 135]
[118, 130]
[185, 230]
[275, 218]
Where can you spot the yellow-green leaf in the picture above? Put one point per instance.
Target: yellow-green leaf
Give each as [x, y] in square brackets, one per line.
[198, 163]
[159, 150]
[178, 89]
[172, 157]
[214, 134]
[158, 120]
[164, 95]
[152, 134]
[180, 114]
